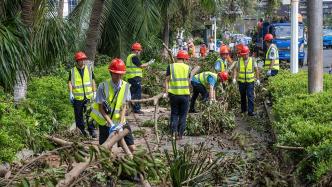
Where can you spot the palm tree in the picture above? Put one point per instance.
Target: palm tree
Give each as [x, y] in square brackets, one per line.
[37, 35]
[93, 34]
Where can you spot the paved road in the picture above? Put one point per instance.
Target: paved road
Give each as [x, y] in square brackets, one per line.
[327, 59]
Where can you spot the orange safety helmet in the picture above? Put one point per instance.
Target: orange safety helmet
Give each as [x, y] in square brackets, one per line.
[244, 51]
[223, 75]
[80, 56]
[268, 37]
[239, 48]
[224, 50]
[117, 66]
[182, 55]
[136, 46]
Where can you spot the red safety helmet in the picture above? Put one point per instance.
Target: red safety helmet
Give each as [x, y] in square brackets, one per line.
[223, 75]
[80, 56]
[268, 37]
[244, 51]
[224, 50]
[117, 66]
[136, 46]
[182, 55]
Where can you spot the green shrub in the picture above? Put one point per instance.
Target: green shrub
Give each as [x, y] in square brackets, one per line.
[101, 73]
[198, 41]
[102, 60]
[49, 103]
[304, 120]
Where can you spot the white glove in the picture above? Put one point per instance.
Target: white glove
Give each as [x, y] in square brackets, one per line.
[234, 81]
[268, 73]
[71, 97]
[151, 61]
[258, 82]
[165, 95]
[94, 95]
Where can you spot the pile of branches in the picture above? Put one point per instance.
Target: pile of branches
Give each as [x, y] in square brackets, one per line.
[212, 119]
[85, 164]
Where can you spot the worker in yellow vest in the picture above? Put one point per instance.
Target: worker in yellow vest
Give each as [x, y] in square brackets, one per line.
[224, 61]
[271, 64]
[244, 72]
[134, 74]
[82, 89]
[203, 82]
[112, 95]
[177, 88]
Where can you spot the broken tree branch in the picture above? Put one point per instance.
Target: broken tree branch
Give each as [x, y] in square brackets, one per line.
[289, 148]
[80, 167]
[169, 53]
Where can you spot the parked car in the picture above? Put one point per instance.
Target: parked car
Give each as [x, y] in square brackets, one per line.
[327, 38]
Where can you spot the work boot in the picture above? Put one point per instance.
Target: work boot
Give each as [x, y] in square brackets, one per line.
[192, 111]
[92, 133]
[252, 114]
[139, 112]
[83, 132]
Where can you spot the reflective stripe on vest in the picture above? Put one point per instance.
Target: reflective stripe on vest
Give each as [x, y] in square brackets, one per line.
[131, 69]
[82, 86]
[246, 74]
[115, 105]
[268, 62]
[223, 64]
[202, 77]
[179, 82]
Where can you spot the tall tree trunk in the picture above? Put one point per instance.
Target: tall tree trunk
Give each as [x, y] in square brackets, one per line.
[166, 36]
[60, 8]
[21, 85]
[93, 34]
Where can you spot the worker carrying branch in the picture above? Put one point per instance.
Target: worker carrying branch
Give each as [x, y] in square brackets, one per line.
[82, 89]
[134, 74]
[111, 99]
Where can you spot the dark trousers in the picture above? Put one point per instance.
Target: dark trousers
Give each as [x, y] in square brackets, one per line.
[198, 89]
[136, 91]
[247, 91]
[274, 72]
[104, 133]
[80, 111]
[179, 110]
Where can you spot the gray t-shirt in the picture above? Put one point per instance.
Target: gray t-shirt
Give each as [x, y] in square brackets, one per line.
[100, 97]
[273, 53]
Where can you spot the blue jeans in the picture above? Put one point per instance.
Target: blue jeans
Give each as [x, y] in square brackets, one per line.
[136, 91]
[179, 110]
[247, 91]
[198, 88]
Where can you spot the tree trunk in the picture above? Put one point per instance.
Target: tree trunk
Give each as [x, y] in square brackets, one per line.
[166, 37]
[60, 8]
[94, 33]
[20, 87]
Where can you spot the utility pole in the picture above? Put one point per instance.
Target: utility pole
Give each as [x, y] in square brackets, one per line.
[315, 45]
[295, 37]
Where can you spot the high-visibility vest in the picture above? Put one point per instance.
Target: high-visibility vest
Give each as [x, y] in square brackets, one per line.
[269, 61]
[223, 64]
[131, 69]
[246, 74]
[82, 85]
[179, 82]
[202, 77]
[115, 101]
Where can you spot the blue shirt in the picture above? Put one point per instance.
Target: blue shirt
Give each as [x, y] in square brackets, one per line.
[210, 79]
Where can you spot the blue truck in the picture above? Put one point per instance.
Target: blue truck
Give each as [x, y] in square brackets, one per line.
[282, 39]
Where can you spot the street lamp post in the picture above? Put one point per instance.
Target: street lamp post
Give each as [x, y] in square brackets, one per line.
[295, 37]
